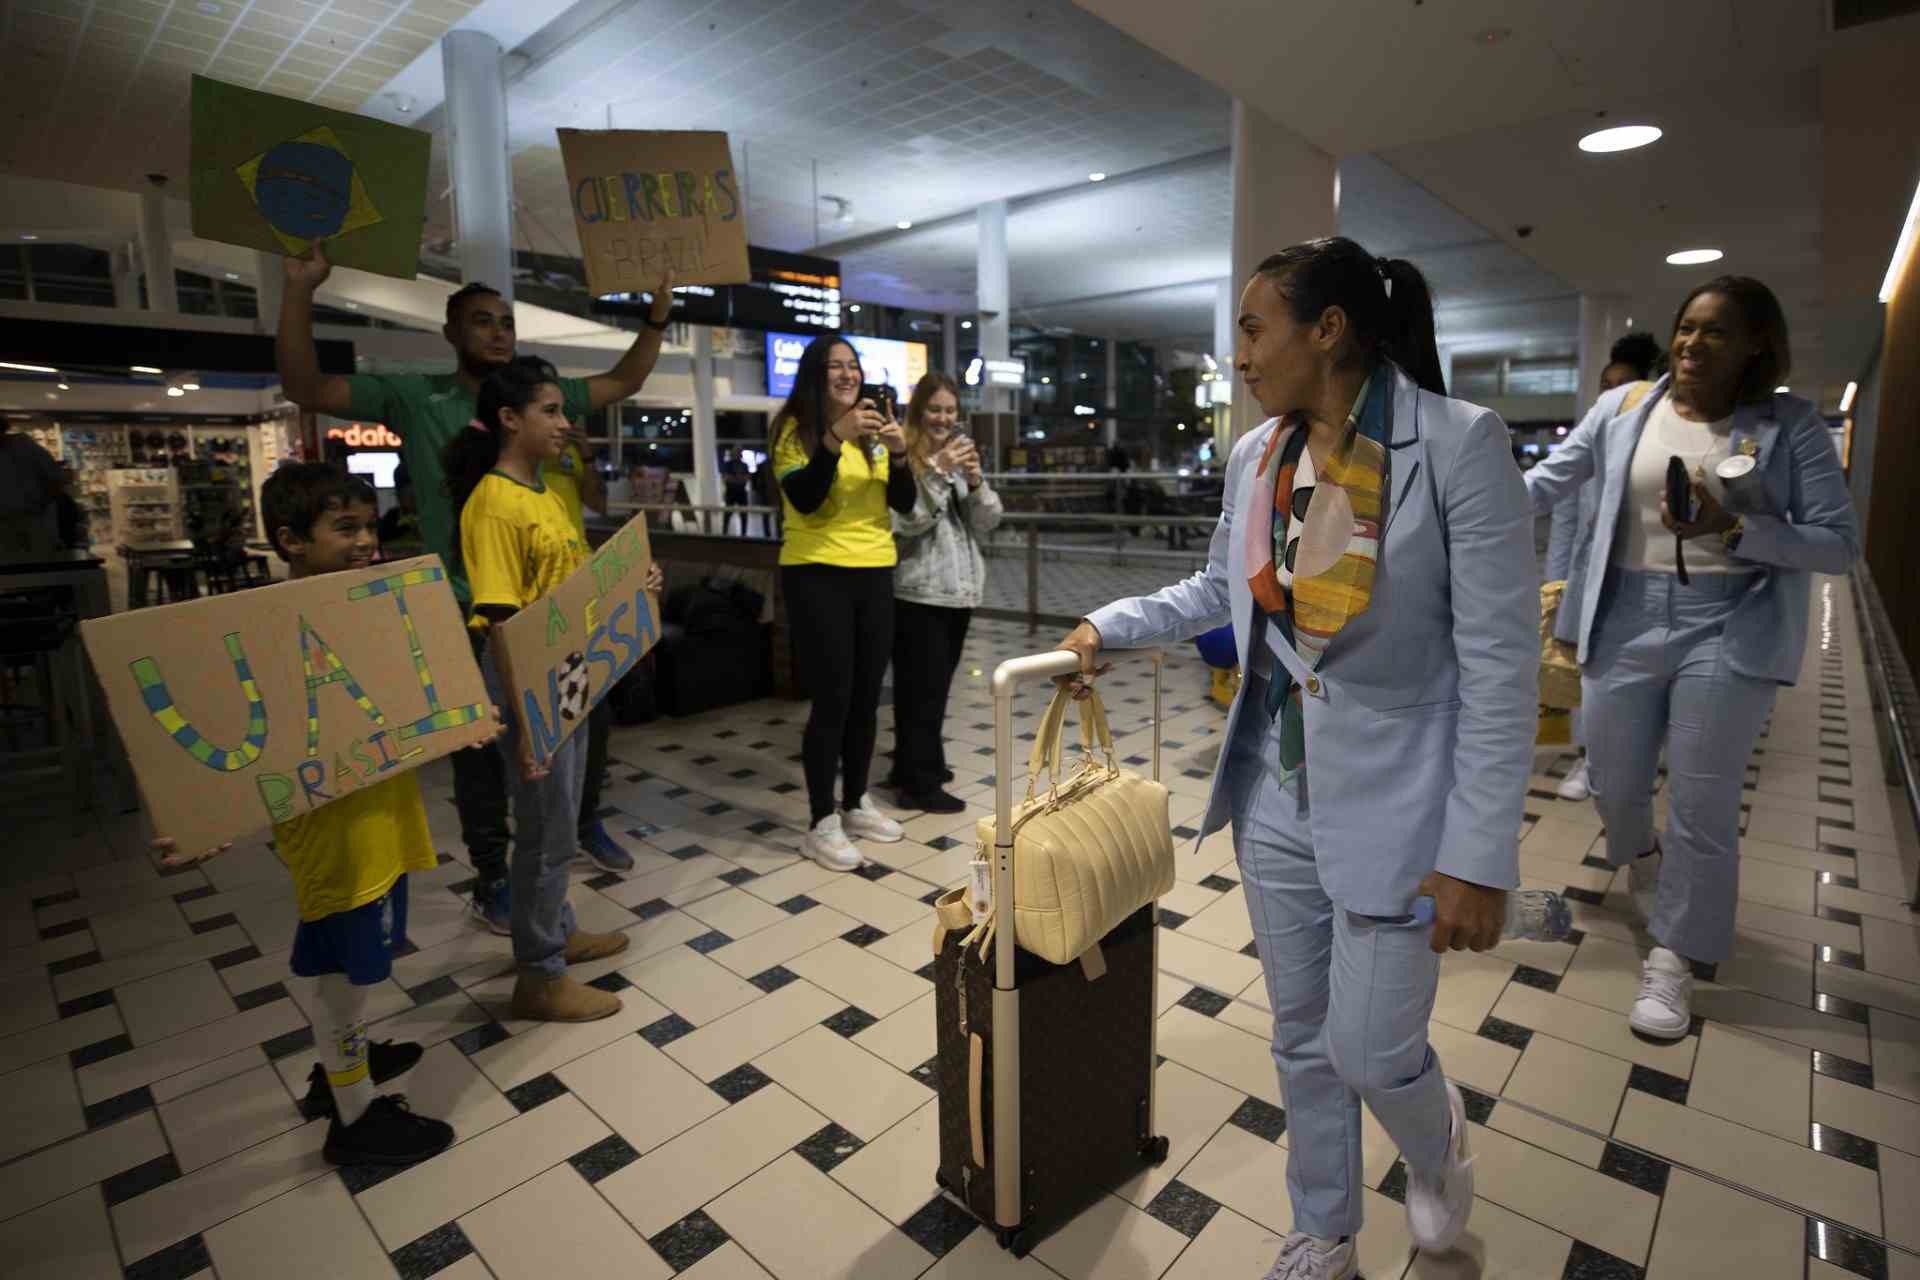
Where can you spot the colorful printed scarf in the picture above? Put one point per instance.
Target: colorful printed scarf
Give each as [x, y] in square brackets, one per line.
[1334, 565]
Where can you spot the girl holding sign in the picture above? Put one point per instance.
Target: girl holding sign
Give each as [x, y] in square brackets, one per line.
[517, 543]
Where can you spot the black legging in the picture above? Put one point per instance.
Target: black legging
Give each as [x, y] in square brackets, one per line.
[842, 626]
[927, 640]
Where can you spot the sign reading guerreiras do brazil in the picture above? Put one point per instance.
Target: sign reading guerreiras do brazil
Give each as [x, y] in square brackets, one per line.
[647, 203]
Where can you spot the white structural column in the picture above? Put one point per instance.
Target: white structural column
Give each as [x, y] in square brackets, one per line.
[1111, 346]
[477, 155]
[706, 445]
[994, 292]
[156, 254]
[950, 346]
[270, 286]
[1602, 320]
[1284, 191]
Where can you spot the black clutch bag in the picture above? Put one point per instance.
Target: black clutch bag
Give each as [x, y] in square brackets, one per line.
[1680, 506]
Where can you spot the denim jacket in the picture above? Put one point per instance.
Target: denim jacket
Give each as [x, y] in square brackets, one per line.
[939, 542]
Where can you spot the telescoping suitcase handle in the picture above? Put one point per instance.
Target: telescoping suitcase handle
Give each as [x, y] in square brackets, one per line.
[1007, 679]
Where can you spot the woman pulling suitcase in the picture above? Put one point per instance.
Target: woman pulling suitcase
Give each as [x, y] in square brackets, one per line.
[1375, 557]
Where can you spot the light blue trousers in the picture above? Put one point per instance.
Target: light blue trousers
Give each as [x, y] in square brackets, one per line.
[1351, 996]
[545, 819]
[1657, 671]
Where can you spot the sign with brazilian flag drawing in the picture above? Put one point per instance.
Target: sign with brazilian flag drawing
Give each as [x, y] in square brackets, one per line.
[276, 174]
[564, 653]
[247, 709]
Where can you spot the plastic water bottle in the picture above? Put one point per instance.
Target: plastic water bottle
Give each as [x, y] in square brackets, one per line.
[1533, 915]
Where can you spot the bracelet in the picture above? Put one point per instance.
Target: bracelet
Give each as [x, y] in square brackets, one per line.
[658, 326]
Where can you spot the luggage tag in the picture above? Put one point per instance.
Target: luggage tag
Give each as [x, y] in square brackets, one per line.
[980, 890]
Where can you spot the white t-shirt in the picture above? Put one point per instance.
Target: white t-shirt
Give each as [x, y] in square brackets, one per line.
[1642, 544]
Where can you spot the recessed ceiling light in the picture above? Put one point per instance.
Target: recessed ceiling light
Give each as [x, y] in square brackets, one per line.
[52, 395]
[904, 225]
[189, 386]
[353, 306]
[29, 236]
[1096, 177]
[28, 368]
[233, 275]
[854, 307]
[62, 384]
[175, 391]
[1693, 257]
[966, 324]
[1624, 137]
[145, 368]
[1782, 390]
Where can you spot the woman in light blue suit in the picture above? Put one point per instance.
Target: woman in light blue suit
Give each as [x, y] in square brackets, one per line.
[1686, 629]
[1375, 557]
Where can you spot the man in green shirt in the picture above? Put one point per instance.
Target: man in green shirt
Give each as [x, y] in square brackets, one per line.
[426, 411]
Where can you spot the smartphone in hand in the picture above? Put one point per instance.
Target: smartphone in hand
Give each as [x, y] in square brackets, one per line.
[882, 397]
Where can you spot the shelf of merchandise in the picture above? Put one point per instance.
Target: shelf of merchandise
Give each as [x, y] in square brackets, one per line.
[146, 505]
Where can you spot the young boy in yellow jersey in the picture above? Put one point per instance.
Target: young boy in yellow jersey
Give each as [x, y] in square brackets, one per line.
[349, 861]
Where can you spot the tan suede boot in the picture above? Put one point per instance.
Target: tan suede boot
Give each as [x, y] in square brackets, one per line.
[537, 998]
[582, 947]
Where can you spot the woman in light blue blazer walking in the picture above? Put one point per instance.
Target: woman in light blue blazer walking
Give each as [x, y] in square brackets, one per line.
[1687, 627]
[1375, 557]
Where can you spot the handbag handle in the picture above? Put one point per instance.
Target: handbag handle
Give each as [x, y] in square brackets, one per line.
[1095, 733]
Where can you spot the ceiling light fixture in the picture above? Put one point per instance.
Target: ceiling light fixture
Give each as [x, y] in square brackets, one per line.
[28, 368]
[1902, 248]
[854, 307]
[175, 391]
[904, 225]
[62, 384]
[233, 275]
[1782, 389]
[966, 324]
[189, 386]
[29, 236]
[1846, 397]
[1693, 257]
[1624, 137]
[145, 368]
[1096, 177]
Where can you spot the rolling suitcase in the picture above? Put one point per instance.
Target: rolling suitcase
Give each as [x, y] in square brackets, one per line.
[1045, 1071]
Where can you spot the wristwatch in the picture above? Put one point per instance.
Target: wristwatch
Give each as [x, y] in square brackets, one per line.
[1730, 538]
[659, 325]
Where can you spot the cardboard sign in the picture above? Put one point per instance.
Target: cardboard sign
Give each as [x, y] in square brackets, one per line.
[648, 202]
[247, 709]
[277, 174]
[563, 654]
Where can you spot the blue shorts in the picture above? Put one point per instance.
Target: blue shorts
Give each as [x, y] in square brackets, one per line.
[359, 943]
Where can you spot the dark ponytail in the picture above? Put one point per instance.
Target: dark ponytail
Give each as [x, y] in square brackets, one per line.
[476, 449]
[1388, 306]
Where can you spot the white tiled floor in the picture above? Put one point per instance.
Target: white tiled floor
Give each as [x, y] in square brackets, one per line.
[763, 1105]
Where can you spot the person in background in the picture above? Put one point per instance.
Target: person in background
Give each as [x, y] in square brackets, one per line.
[400, 524]
[937, 586]
[734, 478]
[427, 412]
[31, 486]
[841, 466]
[1375, 557]
[1631, 360]
[349, 861]
[1686, 628]
[516, 545]
[576, 481]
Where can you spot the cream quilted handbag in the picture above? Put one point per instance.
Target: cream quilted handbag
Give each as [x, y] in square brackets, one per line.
[1089, 851]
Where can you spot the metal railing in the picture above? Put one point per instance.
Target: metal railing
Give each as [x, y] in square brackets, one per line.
[1896, 702]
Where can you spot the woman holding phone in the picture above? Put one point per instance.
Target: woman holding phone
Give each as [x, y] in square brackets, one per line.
[937, 587]
[840, 460]
[1720, 495]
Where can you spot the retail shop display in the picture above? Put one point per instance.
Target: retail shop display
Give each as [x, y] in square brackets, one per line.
[276, 174]
[146, 505]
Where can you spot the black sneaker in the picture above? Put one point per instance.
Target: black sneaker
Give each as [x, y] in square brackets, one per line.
[389, 1133]
[934, 801]
[386, 1059]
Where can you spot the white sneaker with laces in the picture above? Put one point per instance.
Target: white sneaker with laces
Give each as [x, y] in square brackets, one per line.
[1643, 882]
[1305, 1257]
[1664, 1008]
[1574, 786]
[1438, 1207]
[827, 844]
[865, 822]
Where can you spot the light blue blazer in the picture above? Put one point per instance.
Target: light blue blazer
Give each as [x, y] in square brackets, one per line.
[1572, 526]
[1421, 718]
[1803, 522]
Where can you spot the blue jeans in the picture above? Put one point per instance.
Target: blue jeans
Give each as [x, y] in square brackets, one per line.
[546, 813]
[1657, 671]
[1351, 996]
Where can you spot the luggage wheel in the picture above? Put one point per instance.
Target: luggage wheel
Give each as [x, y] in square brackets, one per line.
[1154, 1150]
[1014, 1240]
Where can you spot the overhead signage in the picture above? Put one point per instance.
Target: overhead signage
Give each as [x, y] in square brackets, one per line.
[790, 292]
[899, 364]
[1006, 373]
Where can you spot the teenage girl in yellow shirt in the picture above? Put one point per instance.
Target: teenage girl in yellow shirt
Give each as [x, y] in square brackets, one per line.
[841, 464]
[517, 543]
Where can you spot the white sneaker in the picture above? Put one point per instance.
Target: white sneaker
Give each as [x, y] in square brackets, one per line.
[1643, 883]
[1305, 1257]
[1664, 1008]
[1574, 786]
[1437, 1208]
[827, 844]
[864, 822]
